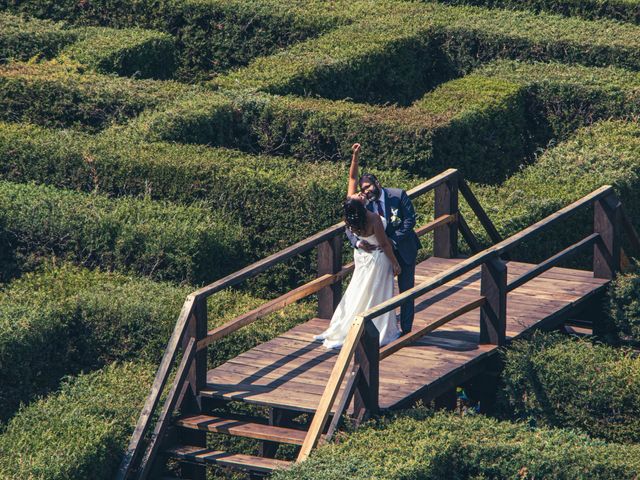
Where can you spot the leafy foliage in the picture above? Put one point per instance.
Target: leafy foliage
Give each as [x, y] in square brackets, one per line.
[158, 239]
[563, 382]
[421, 444]
[59, 94]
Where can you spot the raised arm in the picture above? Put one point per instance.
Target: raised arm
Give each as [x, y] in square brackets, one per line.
[352, 187]
[385, 244]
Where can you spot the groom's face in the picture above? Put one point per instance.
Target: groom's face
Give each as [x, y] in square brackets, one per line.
[370, 190]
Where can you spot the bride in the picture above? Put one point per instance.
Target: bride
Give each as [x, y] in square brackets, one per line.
[372, 280]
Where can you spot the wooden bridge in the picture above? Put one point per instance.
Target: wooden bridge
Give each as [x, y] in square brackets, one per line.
[466, 308]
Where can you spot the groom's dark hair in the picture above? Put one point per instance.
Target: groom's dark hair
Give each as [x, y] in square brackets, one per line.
[368, 177]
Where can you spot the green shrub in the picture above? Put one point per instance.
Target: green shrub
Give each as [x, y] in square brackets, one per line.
[472, 36]
[566, 97]
[624, 307]
[278, 200]
[378, 59]
[158, 239]
[62, 95]
[407, 48]
[431, 446]
[606, 153]
[22, 38]
[79, 432]
[211, 35]
[621, 10]
[411, 139]
[64, 320]
[126, 52]
[564, 382]
[484, 123]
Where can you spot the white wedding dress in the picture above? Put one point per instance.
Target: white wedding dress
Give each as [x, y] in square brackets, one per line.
[371, 284]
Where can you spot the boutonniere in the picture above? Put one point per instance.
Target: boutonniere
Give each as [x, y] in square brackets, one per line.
[395, 219]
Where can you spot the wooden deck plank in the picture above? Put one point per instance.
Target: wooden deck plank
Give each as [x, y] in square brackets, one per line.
[291, 370]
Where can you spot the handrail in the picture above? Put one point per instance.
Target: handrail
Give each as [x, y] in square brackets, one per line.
[177, 390]
[299, 293]
[473, 202]
[235, 278]
[333, 386]
[412, 336]
[552, 261]
[481, 257]
[162, 375]
[342, 364]
[306, 244]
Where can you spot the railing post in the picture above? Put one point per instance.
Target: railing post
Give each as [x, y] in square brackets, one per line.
[329, 261]
[445, 240]
[607, 221]
[197, 379]
[493, 314]
[367, 358]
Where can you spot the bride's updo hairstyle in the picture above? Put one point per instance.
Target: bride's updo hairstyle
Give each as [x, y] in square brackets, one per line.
[355, 215]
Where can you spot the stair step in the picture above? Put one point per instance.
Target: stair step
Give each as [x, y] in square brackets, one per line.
[242, 428]
[235, 460]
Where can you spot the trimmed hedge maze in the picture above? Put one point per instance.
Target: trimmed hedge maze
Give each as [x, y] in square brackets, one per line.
[147, 148]
[421, 444]
[158, 239]
[132, 51]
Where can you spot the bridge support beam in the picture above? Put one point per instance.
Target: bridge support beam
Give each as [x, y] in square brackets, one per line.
[329, 261]
[493, 314]
[197, 379]
[607, 221]
[445, 240]
[367, 390]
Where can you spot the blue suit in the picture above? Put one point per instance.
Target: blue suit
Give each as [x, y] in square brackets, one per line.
[405, 244]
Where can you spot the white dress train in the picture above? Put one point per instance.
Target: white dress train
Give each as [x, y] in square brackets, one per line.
[371, 284]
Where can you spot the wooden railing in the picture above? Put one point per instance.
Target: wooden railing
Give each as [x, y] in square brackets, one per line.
[192, 336]
[360, 354]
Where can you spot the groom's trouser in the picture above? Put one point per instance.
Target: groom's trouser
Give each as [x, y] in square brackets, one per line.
[406, 280]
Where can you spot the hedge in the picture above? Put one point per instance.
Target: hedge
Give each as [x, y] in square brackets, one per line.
[378, 59]
[605, 153]
[624, 304]
[63, 320]
[278, 200]
[566, 97]
[22, 38]
[64, 95]
[145, 53]
[138, 325]
[79, 432]
[312, 129]
[565, 382]
[399, 54]
[211, 35]
[621, 10]
[126, 52]
[158, 239]
[518, 106]
[430, 446]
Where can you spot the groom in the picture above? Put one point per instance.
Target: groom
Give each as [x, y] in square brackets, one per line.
[395, 206]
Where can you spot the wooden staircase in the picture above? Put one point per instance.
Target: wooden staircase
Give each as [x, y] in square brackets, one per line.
[304, 390]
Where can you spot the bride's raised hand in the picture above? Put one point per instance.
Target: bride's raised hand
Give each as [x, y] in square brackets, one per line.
[355, 148]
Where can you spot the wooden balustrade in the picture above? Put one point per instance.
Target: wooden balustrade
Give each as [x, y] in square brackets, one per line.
[492, 304]
[360, 356]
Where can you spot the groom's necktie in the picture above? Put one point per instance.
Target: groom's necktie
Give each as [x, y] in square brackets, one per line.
[379, 205]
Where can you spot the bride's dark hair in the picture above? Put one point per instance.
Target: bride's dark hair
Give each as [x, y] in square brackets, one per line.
[355, 215]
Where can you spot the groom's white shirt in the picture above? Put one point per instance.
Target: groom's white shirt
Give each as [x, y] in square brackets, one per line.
[382, 204]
